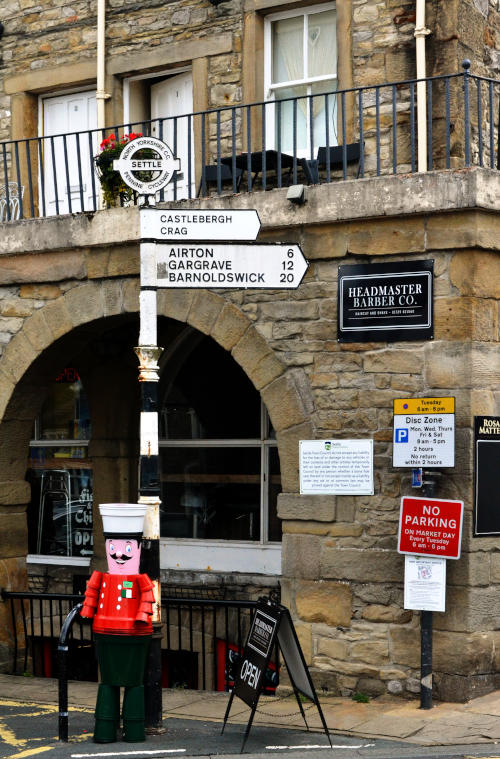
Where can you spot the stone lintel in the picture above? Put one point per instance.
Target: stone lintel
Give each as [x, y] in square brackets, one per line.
[174, 52]
[48, 79]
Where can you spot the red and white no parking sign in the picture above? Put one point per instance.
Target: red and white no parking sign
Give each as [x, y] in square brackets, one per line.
[430, 527]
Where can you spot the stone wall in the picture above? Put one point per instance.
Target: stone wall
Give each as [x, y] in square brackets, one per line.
[53, 36]
[342, 576]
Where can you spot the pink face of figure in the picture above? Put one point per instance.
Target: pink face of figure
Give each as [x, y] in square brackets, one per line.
[123, 556]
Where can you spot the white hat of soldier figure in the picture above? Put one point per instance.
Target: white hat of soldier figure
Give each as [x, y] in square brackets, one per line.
[125, 520]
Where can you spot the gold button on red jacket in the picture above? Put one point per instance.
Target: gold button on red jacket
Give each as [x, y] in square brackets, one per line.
[120, 604]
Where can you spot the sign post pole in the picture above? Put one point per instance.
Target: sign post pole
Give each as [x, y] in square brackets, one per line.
[162, 170]
[429, 527]
[428, 489]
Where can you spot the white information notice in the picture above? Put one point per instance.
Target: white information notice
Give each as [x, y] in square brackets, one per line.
[336, 467]
[425, 583]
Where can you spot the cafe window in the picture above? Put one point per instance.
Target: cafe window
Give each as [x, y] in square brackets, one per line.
[220, 471]
[60, 474]
[301, 60]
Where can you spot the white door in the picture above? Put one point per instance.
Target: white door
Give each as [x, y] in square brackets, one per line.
[68, 167]
[171, 109]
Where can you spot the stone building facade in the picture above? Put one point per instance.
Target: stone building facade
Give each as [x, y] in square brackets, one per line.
[69, 289]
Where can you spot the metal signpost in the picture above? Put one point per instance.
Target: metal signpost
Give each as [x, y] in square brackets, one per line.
[168, 259]
[429, 527]
[424, 437]
[161, 164]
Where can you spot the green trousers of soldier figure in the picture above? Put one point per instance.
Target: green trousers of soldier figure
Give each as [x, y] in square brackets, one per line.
[122, 660]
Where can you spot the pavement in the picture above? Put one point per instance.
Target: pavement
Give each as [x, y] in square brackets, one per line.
[446, 724]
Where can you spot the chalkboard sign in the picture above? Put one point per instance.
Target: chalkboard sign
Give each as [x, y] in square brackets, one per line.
[487, 464]
[271, 624]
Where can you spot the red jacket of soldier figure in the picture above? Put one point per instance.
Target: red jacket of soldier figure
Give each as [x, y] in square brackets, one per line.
[119, 604]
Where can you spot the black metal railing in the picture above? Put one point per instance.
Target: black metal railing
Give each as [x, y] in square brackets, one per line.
[203, 639]
[36, 623]
[243, 148]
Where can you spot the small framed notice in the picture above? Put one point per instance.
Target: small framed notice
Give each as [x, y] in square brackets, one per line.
[425, 583]
[336, 467]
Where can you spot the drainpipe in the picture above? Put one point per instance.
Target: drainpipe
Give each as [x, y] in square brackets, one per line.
[101, 95]
[420, 34]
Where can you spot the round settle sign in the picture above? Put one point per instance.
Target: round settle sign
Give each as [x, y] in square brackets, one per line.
[162, 165]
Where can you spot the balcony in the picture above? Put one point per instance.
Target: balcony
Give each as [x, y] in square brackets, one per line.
[325, 138]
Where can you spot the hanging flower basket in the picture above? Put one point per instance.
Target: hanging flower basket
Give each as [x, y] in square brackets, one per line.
[114, 190]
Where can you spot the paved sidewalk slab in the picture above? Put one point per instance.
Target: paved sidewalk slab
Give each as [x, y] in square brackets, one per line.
[475, 722]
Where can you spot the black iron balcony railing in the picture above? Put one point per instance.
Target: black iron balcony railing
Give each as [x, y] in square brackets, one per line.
[322, 138]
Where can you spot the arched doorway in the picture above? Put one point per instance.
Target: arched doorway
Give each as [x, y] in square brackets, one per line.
[219, 457]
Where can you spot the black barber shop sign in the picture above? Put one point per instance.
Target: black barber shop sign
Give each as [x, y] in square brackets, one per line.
[385, 302]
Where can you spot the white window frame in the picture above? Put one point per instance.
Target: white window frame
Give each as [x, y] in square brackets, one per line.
[270, 87]
[166, 73]
[250, 557]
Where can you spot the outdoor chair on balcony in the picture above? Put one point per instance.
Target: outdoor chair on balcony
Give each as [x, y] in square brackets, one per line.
[226, 177]
[10, 209]
[334, 156]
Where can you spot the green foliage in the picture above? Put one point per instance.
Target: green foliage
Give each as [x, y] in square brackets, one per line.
[361, 698]
[113, 187]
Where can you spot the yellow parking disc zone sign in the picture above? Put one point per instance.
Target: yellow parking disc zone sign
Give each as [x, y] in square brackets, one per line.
[424, 432]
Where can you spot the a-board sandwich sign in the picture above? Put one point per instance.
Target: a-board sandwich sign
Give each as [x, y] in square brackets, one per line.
[385, 302]
[271, 625]
[430, 527]
[486, 467]
[256, 655]
[424, 432]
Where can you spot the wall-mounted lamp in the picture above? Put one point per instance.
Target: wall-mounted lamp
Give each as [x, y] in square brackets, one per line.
[297, 194]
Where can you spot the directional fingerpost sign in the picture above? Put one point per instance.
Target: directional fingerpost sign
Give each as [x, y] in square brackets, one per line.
[193, 263]
[229, 266]
[217, 224]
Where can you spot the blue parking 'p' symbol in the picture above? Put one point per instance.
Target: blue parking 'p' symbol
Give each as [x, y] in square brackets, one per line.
[401, 435]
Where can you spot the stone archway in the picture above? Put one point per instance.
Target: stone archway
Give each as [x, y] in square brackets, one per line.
[285, 392]
[27, 366]
[23, 368]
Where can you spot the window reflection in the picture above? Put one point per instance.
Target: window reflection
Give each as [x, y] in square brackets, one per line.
[60, 474]
[224, 486]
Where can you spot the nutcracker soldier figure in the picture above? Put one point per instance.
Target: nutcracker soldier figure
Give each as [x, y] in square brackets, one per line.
[121, 603]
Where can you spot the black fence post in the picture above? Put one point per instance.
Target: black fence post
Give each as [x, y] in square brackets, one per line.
[62, 656]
